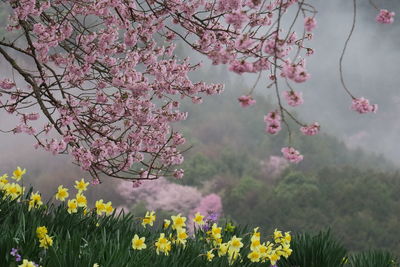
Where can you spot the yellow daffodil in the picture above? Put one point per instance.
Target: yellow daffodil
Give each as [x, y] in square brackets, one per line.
[181, 236]
[167, 223]
[255, 243]
[163, 245]
[235, 244]
[216, 231]
[254, 256]
[178, 221]
[288, 237]
[18, 173]
[13, 190]
[286, 251]
[3, 181]
[26, 263]
[198, 219]
[108, 208]
[62, 193]
[72, 206]
[277, 236]
[217, 242]
[100, 207]
[256, 234]
[81, 185]
[149, 218]
[210, 255]
[223, 249]
[279, 251]
[96, 265]
[138, 243]
[41, 232]
[273, 258]
[35, 201]
[81, 200]
[46, 242]
[263, 250]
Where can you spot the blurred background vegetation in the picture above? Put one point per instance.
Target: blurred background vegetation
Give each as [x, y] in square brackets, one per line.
[353, 192]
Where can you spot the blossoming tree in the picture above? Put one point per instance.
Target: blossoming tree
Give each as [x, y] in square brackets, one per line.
[103, 73]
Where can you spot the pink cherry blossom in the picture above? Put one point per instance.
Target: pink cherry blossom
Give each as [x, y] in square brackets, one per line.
[273, 127]
[295, 72]
[273, 116]
[55, 147]
[246, 101]
[240, 67]
[273, 122]
[311, 129]
[178, 139]
[278, 47]
[229, 5]
[385, 17]
[261, 64]
[243, 43]
[310, 23]
[237, 19]
[6, 84]
[293, 98]
[362, 105]
[24, 128]
[31, 116]
[253, 3]
[178, 174]
[310, 52]
[161, 194]
[291, 154]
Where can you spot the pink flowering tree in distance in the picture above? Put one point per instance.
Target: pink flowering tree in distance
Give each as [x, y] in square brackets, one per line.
[104, 76]
[161, 195]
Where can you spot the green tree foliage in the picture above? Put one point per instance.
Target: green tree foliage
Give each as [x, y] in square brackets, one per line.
[362, 207]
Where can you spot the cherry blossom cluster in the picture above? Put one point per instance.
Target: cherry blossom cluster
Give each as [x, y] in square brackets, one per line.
[293, 98]
[246, 101]
[292, 155]
[362, 105]
[295, 72]
[310, 24]
[311, 129]
[273, 122]
[385, 17]
[108, 82]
